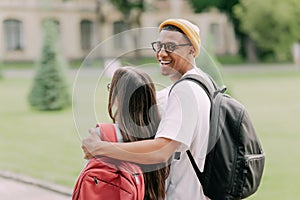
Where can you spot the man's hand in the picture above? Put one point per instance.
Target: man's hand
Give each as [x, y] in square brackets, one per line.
[150, 151]
[89, 144]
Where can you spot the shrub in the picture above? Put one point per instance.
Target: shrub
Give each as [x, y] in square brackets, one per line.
[50, 90]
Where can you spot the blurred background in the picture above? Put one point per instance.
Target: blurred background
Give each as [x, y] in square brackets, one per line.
[55, 57]
[234, 31]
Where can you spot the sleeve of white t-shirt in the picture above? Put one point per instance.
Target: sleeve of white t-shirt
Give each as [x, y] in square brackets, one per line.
[162, 100]
[181, 115]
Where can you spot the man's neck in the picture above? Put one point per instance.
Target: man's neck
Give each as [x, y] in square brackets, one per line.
[175, 77]
[190, 65]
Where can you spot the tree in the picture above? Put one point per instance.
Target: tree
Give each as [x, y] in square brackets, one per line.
[223, 5]
[226, 6]
[127, 8]
[273, 24]
[50, 91]
[131, 11]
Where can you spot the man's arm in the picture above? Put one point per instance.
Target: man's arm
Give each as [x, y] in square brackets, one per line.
[143, 152]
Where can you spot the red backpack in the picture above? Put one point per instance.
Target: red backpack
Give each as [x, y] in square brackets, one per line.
[105, 178]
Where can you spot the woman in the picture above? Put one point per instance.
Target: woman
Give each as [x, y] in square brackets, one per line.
[132, 105]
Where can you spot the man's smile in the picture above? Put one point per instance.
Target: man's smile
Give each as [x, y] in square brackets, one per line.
[164, 63]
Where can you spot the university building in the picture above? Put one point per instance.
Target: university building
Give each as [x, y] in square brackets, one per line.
[84, 24]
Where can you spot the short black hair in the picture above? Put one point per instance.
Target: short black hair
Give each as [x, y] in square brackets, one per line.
[174, 28]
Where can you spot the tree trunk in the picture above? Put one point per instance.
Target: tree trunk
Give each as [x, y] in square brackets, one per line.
[251, 50]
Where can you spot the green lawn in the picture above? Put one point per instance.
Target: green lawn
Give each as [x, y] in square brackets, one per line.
[46, 145]
[39, 144]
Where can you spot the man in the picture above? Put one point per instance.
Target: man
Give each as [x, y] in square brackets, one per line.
[185, 123]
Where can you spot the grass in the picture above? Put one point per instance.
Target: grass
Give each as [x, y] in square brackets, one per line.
[75, 64]
[46, 145]
[42, 145]
[17, 65]
[231, 59]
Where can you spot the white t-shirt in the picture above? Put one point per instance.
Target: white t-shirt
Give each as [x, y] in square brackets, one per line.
[186, 120]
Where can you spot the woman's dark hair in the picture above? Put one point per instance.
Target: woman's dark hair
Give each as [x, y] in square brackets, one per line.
[133, 94]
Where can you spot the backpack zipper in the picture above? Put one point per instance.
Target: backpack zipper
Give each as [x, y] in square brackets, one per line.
[240, 120]
[95, 180]
[135, 175]
[252, 157]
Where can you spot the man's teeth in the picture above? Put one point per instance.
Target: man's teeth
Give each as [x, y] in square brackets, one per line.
[165, 62]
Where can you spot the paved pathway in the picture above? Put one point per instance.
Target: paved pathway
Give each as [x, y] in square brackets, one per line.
[15, 187]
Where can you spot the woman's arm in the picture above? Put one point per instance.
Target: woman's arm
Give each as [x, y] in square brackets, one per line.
[143, 152]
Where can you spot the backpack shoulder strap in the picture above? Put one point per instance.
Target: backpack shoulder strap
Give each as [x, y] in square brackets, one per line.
[208, 85]
[109, 132]
[211, 89]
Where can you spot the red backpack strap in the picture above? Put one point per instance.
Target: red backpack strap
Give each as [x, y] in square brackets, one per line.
[107, 132]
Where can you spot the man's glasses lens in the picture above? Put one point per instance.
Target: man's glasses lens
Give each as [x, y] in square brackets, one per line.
[169, 46]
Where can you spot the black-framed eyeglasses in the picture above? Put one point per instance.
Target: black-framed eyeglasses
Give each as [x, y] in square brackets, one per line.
[108, 86]
[169, 46]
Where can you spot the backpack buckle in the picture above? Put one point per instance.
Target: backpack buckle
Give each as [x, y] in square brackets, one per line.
[222, 90]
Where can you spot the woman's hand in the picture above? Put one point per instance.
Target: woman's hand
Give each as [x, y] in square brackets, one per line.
[90, 143]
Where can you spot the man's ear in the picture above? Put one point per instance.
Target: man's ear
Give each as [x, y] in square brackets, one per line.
[192, 51]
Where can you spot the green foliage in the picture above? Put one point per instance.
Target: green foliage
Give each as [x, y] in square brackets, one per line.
[50, 90]
[125, 6]
[200, 6]
[223, 5]
[273, 24]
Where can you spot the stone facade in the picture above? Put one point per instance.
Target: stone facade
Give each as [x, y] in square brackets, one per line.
[81, 28]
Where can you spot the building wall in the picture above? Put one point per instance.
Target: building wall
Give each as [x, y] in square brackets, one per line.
[216, 32]
[32, 13]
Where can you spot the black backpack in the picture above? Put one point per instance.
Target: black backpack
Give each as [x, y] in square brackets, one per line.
[235, 161]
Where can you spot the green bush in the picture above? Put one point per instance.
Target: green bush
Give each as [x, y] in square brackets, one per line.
[50, 90]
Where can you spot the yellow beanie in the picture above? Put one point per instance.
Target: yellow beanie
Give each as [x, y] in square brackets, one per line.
[190, 30]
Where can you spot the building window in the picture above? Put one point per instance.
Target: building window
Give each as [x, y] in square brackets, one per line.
[86, 30]
[120, 39]
[13, 34]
